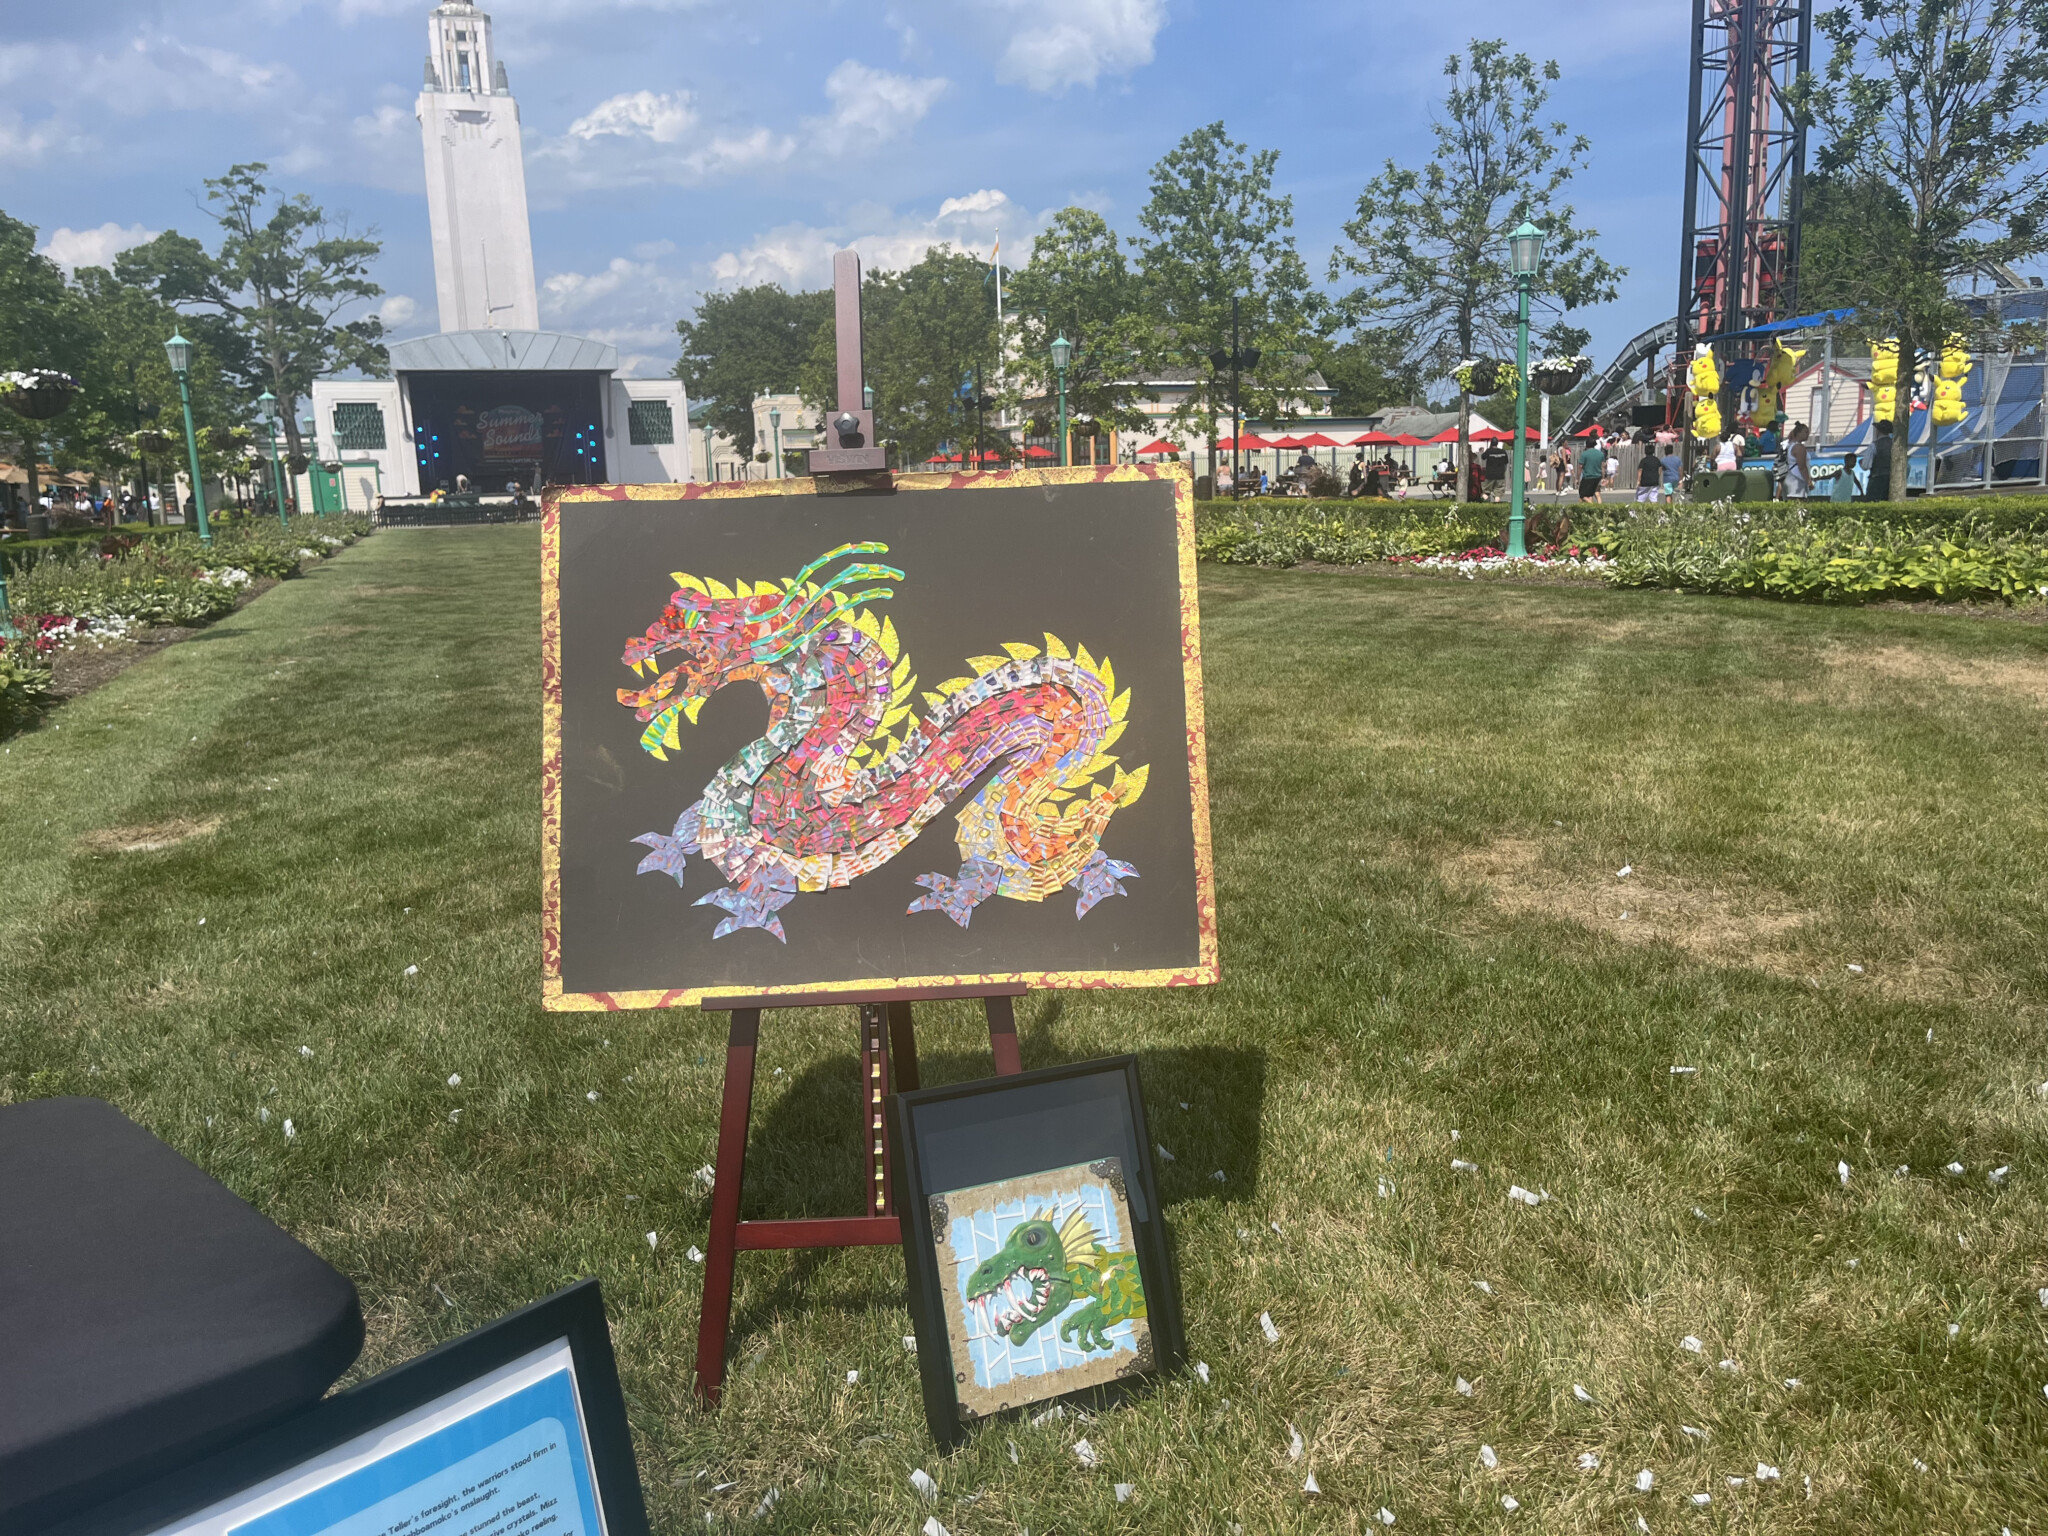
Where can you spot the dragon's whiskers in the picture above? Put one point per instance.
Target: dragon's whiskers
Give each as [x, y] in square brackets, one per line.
[796, 587]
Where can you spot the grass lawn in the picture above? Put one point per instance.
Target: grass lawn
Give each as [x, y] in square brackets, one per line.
[1423, 792]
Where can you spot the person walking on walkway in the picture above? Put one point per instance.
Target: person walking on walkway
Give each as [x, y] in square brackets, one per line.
[1592, 469]
[1879, 486]
[1798, 463]
[1649, 475]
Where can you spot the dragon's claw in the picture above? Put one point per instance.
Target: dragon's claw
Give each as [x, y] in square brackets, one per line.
[671, 852]
[753, 904]
[957, 897]
[1101, 876]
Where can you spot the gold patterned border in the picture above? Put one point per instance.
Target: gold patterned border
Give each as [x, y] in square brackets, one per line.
[1208, 965]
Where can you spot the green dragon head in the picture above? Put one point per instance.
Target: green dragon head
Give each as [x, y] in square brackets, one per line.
[1031, 1279]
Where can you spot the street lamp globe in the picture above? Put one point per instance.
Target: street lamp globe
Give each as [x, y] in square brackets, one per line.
[1062, 352]
[266, 406]
[1525, 250]
[775, 418]
[867, 397]
[179, 351]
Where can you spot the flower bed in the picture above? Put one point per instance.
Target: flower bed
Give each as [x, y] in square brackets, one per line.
[1585, 564]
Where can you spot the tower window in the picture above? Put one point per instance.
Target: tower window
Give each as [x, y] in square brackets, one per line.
[649, 423]
[464, 58]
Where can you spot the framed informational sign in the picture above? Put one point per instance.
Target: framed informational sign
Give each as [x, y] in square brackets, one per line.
[517, 1429]
[801, 743]
[1037, 1256]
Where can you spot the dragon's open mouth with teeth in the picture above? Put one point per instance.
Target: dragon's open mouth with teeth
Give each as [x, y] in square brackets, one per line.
[1020, 1298]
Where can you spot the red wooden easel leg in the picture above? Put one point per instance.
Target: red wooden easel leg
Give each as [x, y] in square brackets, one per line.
[1002, 1035]
[733, 1114]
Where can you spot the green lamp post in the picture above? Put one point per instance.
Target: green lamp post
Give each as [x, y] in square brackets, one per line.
[1062, 354]
[1525, 256]
[775, 427]
[267, 404]
[179, 351]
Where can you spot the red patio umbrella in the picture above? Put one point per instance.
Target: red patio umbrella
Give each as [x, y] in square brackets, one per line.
[1409, 440]
[1380, 440]
[1448, 435]
[1036, 451]
[1287, 442]
[1159, 445]
[1317, 440]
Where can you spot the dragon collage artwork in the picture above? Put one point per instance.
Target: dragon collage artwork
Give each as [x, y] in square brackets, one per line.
[1043, 749]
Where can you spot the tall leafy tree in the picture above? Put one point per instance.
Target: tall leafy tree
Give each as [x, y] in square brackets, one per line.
[274, 292]
[927, 329]
[1078, 284]
[1370, 369]
[41, 326]
[1214, 230]
[1932, 110]
[1430, 245]
[751, 341]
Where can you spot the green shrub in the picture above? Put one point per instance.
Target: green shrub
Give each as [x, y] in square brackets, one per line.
[24, 686]
[20, 554]
[1278, 532]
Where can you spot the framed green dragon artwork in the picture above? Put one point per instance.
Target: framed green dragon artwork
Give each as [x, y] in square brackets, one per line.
[1036, 1254]
[801, 743]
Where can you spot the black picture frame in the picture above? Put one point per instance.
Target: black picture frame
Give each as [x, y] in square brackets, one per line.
[573, 1315]
[964, 1135]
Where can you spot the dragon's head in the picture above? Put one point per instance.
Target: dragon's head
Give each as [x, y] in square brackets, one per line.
[1026, 1282]
[711, 634]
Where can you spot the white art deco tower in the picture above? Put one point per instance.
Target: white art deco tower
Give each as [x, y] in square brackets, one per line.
[476, 179]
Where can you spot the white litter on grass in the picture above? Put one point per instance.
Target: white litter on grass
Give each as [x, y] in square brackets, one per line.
[1842, 1173]
[853, 1378]
[1218, 1176]
[454, 1079]
[1855, 970]
[695, 1255]
[767, 1503]
[1056, 1411]
[1484, 1286]
[412, 970]
[263, 1116]
[1386, 1189]
[1997, 1175]
[1855, 1263]
[1294, 1445]
[1276, 1230]
[1703, 1498]
[1624, 872]
[931, 1527]
[1459, 1165]
[1185, 1105]
[1582, 1394]
[1310, 1485]
[455, 1117]
[1642, 1525]
[202, 922]
[306, 1051]
[1013, 1451]
[1919, 1465]
[1266, 1327]
[289, 1133]
[1691, 1344]
[1164, 1155]
[1735, 1482]
[1685, 1071]
[1510, 1503]
[1766, 1473]
[707, 1176]
[1487, 1457]
[1085, 1454]
[910, 1343]
[1464, 1387]
[1954, 1170]
[1730, 1367]
[1124, 1492]
[1902, 1170]
[1692, 1432]
[1703, 1216]
[1454, 1135]
[1792, 1383]
[2042, 1294]
[1954, 1329]
[446, 1299]
[592, 1095]
[1202, 1370]
[1526, 1196]
[1588, 1462]
[653, 1241]
[1645, 1480]
[921, 1480]
[1386, 1515]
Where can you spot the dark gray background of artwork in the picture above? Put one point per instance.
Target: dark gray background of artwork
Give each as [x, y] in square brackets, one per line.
[1094, 564]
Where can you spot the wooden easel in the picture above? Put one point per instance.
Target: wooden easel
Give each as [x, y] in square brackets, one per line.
[851, 460]
[885, 1031]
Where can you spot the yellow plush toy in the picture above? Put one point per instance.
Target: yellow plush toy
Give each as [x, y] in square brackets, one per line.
[1706, 418]
[1766, 410]
[1887, 403]
[1948, 387]
[1705, 378]
[1884, 361]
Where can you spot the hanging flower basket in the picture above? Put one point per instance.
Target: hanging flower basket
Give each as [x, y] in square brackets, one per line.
[37, 393]
[1483, 375]
[152, 443]
[297, 463]
[1559, 375]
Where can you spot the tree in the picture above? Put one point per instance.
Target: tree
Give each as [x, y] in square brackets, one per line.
[927, 329]
[1431, 245]
[1216, 231]
[41, 326]
[1369, 370]
[274, 292]
[1932, 110]
[752, 341]
[1078, 285]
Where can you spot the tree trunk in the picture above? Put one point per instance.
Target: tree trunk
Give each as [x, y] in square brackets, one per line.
[1902, 419]
[1463, 456]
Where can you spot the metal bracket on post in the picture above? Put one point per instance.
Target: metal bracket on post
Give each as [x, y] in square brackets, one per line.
[852, 458]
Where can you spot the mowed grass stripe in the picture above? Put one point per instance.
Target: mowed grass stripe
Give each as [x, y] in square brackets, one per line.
[1423, 792]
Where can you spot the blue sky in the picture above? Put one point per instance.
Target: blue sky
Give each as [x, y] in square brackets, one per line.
[675, 146]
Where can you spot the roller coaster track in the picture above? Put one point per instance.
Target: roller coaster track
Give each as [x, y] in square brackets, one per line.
[1618, 379]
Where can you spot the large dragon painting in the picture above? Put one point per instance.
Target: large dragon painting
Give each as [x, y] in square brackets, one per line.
[856, 760]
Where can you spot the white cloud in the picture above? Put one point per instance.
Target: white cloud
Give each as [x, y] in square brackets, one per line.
[1059, 43]
[75, 248]
[662, 118]
[397, 310]
[800, 255]
[876, 105]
